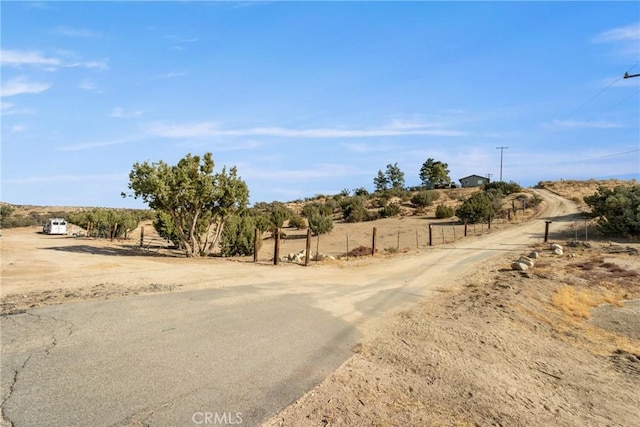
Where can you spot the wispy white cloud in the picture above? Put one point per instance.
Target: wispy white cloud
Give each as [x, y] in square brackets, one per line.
[8, 109]
[627, 39]
[18, 58]
[66, 178]
[363, 147]
[38, 5]
[101, 65]
[18, 128]
[210, 129]
[119, 113]
[172, 74]
[76, 32]
[98, 144]
[582, 124]
[89, 85]
[321, 171]
[627, 33]
[20, 85]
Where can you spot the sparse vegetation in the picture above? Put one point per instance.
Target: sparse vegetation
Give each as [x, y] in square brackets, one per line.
[391, 210]
[296, 221]
[425, 198]
[476, 208]
[505, 188]
[617, 210]
[102, 222]
[444, 211]
[353, 210]
[238, 236]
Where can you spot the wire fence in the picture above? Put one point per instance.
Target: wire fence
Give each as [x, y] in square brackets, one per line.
[343, 244]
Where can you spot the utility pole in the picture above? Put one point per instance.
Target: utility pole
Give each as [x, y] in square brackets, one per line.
[628, 76]
[489, 175]
[501, 154]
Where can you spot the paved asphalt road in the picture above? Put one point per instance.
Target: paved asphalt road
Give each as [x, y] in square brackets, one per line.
[226, 356]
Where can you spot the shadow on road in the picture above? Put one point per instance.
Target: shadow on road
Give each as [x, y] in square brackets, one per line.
[111, 251]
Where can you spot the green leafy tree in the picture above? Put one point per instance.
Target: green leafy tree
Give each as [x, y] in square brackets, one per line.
[381, 182]
[476, 208]
[395, 176]
[238, 236]
[320, 224]
[279, 214]
[103, 221]
[434, 173]
[166, 228]
[617, 210]
[198, 201]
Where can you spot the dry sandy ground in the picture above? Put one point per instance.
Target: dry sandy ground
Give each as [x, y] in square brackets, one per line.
[557, 345]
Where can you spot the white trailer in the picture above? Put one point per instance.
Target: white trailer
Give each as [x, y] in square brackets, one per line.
[55, 226]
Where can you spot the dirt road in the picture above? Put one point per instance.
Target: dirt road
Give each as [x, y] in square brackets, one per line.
[220, 337]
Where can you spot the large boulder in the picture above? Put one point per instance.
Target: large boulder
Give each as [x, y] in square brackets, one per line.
[526, 260]
[518, 266]
[534, 255]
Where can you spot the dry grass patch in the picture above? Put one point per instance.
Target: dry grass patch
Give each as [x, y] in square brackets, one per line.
[578, 303]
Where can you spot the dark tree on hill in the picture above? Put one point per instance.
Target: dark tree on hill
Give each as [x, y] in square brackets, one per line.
[434, 173]
[380, 182]
[395, 176]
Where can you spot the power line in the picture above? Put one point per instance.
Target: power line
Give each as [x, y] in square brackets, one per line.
[609, 155]
[594, 158]
[621, 102]
[603, 90]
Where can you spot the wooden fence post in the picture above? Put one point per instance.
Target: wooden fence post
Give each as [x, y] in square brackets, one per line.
[373, 241]
[347, 246]
[276, 248]
[417, 243]
[489, 222]
[308, 248]
[141, 236]
[256, 246]
[465, 228]
[454, 232]
[442, 229]
[398, 245]
[546, 231]
[430, 235]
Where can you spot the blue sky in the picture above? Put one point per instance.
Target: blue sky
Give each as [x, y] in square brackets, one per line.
[308, 98]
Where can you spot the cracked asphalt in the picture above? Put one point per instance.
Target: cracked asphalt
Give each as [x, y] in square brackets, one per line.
[238, 353]
[164, 359]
